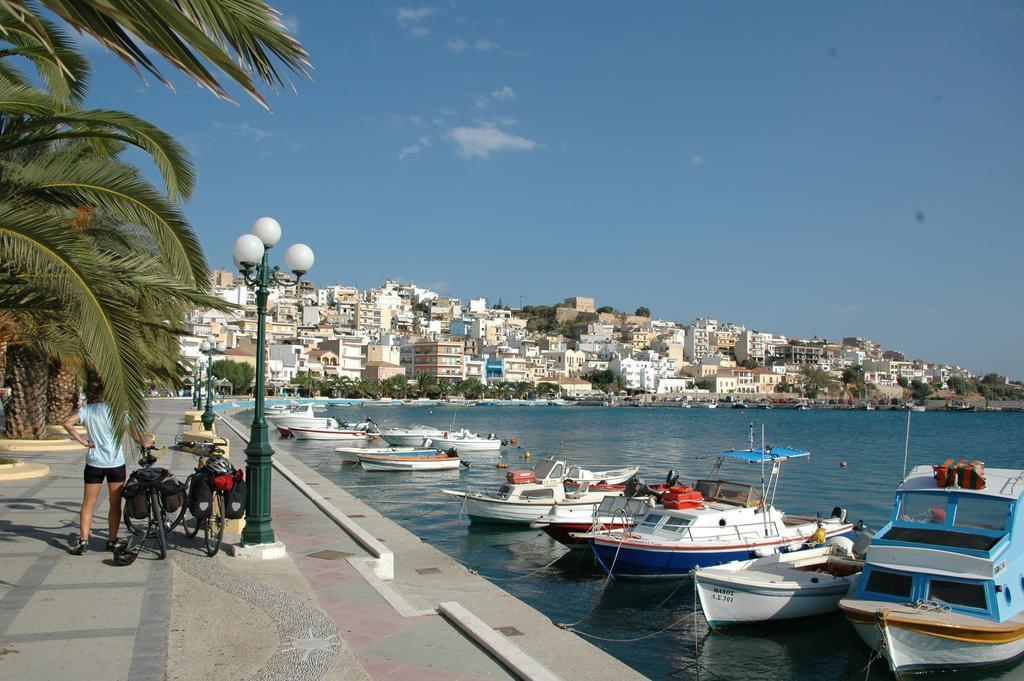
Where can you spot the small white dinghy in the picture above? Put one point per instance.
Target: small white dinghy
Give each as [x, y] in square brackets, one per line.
[781, 586]
[351, 454]
[436, 461]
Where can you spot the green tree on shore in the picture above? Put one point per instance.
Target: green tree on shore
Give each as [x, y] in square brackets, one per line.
[241, 374]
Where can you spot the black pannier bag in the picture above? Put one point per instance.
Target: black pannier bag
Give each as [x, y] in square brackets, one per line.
[234, 500]
[136, 505]
[200, 498]
[172, 492]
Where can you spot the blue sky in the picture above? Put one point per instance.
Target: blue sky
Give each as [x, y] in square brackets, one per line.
[804, 168]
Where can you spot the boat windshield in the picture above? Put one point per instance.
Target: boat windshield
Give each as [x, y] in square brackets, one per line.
[735, 493]
[986, 513]
[967, 511]
[548, 469]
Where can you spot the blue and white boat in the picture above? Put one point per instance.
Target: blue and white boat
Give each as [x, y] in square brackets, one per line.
[943, 583]
[735, 521]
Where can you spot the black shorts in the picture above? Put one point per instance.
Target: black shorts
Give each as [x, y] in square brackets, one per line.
[95, 475]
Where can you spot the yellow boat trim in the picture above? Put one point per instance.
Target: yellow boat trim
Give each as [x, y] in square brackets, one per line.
[994, 633]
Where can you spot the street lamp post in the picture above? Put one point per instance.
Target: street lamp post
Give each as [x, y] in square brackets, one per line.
[210, 346]
[195, 384]
[251, 251]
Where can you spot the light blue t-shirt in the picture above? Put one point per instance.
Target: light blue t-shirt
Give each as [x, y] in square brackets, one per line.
[106, 451]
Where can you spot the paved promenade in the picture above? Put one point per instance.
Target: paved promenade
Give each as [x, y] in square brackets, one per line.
[311, 615]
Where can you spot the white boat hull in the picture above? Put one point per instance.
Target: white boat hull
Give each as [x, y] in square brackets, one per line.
[404, 438]
[909, 651]
[726, 602]
[290, 422]
[351, 454]
[317, 434]
[462, 446]
[385, 463]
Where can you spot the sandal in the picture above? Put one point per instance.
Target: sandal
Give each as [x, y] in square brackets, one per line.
[112, 544]
[79, 547]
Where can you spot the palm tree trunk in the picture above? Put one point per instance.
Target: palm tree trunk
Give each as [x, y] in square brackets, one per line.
[61, 393]
[26, 410]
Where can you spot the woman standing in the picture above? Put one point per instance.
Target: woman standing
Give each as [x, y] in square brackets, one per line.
[103, 462]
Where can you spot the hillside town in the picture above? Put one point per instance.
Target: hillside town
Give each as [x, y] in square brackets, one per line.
[381, 341]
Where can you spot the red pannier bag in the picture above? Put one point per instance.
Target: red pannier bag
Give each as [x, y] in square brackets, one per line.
[971, 475]
[225, 483]
[520, 477]
[945, 475]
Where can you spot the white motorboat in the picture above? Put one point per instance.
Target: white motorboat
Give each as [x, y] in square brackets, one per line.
[716, 522]
[941, 586]
[782, 586]
[351, 454]
[336, 431]
[410, 437]
[465, 441]
[565, 523]
[300, 416]
[434, 461]
[527, 495]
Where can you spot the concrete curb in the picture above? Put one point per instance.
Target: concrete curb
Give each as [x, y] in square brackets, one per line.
[524, 666]
[380, 569]
[383, 561]
[55, 445]
[23, 471]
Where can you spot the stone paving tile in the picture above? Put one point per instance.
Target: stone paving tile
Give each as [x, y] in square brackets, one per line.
[427, 644]
[83, 658]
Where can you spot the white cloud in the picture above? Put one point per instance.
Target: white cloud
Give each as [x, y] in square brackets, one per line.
[290, 23]
[697, 159]
[505, 94]
[482, 141]
[458, 45]
[409, 19]
[246, 130]
[482, 102]
[414, 149]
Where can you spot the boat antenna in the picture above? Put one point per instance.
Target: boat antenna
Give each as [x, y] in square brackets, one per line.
[906, 447]
[764, 516]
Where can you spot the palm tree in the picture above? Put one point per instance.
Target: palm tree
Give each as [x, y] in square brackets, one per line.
[471, 388]
[243, 39]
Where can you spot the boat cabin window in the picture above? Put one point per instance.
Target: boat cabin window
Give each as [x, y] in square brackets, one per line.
[941, 537]
[544, 493]
[984, 513]
[504, 491]
[674, 525]
[735, 493]
[923, 508]
[544, 469]
[957, 593]
[649, 522]
[889, 583]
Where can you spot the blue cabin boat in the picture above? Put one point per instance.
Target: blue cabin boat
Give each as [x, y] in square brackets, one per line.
[943, 583]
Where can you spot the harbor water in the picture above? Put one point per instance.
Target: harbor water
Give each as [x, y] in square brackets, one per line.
[653, 625]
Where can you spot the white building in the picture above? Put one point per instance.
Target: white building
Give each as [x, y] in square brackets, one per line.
[698, 338]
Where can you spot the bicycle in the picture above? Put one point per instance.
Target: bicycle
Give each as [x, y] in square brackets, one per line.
[212, 463]
[150, 483]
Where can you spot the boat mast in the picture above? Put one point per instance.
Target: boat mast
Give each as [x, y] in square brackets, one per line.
[764, 515]
[906, 447]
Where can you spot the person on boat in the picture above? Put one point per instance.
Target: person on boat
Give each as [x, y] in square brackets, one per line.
[103, 462]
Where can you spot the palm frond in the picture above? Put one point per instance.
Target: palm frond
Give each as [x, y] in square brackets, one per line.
[64, 71]
[45, 121]
[70, 181]
[242, 38]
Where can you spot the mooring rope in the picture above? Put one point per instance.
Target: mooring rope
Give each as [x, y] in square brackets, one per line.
[600, 594]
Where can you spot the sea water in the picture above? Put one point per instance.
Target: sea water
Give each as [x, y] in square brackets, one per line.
[653, 625]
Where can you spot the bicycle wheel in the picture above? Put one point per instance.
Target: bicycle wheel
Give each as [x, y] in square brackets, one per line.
[156, 519]
[214, 527]
[193, 530]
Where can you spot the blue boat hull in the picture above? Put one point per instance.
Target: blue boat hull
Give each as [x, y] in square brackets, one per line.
[630, 561]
